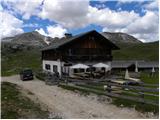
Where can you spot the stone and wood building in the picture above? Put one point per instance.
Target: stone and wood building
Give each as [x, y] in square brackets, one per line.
[78, 53]
[86, 51]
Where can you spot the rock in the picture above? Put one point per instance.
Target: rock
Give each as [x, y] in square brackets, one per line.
[120, 37]
[150, 115]
[104, 99]
[121, 105]
[55, 116]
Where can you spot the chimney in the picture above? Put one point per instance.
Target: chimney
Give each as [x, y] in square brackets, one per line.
[68, 35]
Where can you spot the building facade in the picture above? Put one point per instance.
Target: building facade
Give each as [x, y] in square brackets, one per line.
[81, 51]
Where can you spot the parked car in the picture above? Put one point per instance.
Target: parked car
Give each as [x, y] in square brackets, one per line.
[26, 74]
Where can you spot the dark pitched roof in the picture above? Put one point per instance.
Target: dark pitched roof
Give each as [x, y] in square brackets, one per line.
[57, 43]
[140, 64]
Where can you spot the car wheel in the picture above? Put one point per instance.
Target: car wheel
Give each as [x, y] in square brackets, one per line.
[21, 78]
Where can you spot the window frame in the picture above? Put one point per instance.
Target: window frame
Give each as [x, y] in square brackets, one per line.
[47, 66]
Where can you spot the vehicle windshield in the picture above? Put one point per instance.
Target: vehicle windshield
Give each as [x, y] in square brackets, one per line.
[27, 71]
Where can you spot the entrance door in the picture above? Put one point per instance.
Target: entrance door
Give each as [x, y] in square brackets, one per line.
[55, 68]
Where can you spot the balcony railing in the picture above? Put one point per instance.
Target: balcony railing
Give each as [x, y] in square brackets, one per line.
[87, 58]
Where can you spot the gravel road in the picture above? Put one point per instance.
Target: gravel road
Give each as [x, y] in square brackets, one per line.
[73, 105]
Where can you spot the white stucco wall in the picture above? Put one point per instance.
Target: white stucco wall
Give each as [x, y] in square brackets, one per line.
[60, 66]
[58, 63]
[109, 63]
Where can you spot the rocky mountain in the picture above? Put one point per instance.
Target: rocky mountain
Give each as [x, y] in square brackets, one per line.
[120, 38]
[36, 39]
[29, 39]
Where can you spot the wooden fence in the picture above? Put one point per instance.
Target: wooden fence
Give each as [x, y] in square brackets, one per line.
[134, 93]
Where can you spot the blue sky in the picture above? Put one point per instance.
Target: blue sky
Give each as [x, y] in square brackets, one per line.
[54, 18]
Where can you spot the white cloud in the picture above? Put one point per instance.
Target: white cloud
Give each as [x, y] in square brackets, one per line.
[145, 28]
[70, 14]
[10, 25]
[31, 25]
[56, 31]
[1, 8]
[146, 37]
[78, 14]
[42, 32]
[110, 18]
[26, 8]
[53, 31]
[152, 5]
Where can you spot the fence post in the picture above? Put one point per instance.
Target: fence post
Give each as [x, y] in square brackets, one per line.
[142, 96]
[66, 80]
[109, 87]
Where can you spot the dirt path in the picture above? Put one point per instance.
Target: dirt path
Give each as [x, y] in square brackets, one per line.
[71, 105]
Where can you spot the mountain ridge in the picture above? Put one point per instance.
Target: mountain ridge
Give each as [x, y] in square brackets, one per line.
[29, 38]
[34, 38]
[119, 37]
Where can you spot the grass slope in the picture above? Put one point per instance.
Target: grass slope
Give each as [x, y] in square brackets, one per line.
[14, 105]
[147, 51]
[12, 63]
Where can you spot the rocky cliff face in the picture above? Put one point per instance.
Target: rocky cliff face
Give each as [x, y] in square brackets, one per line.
[120, 37]
[29, 39]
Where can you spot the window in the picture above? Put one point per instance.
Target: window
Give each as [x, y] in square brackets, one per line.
[55, 68]
[88, 70]
[81, 70]
[75, 70]
[78, 70]
[103, 68]
[47, 67]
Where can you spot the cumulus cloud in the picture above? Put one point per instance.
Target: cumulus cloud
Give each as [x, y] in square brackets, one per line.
[70, 14]
[146, 24]
[152, 5]
[26, 8]
[78, 14]
[110, 18]
[56, 31]
[145, 28]
[53, 31]
[10, 25]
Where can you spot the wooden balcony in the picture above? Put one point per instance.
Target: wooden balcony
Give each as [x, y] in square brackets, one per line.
[87, 58]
